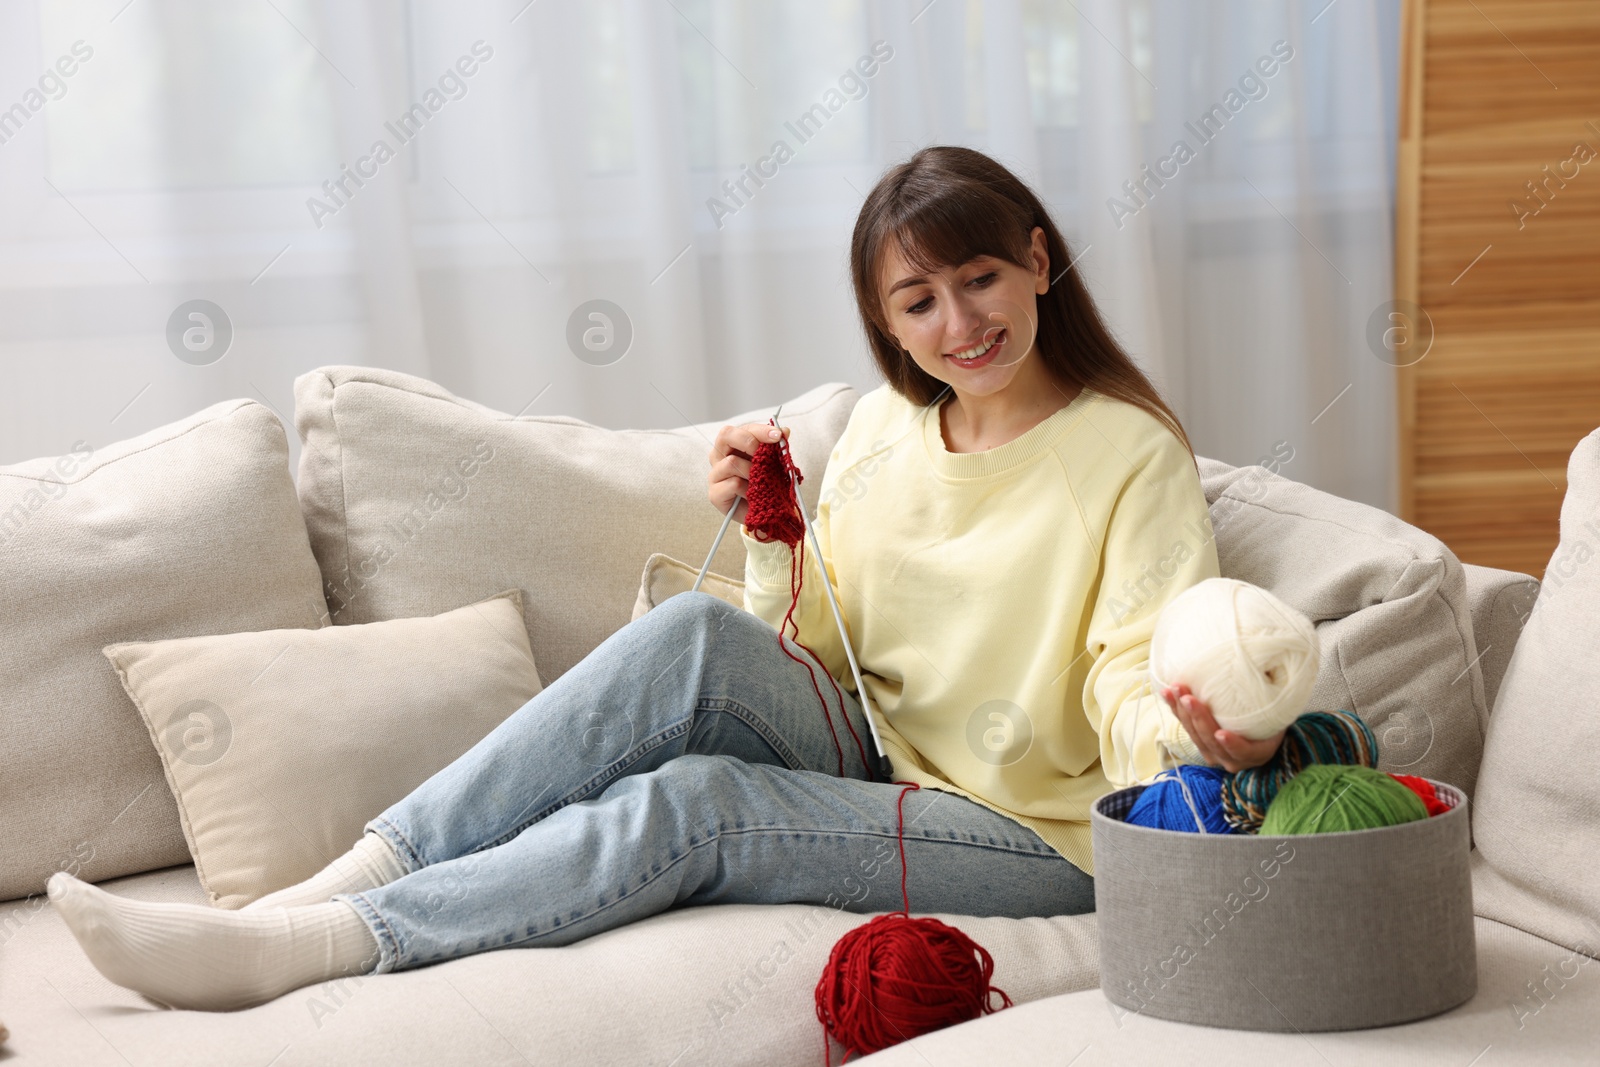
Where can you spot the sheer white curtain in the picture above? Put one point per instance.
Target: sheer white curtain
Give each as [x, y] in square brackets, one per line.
[628, 151]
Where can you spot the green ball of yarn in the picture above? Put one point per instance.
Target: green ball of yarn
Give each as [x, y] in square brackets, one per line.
[1327, 797]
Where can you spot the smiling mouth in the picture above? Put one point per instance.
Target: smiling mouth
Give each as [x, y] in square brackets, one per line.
[979, 351]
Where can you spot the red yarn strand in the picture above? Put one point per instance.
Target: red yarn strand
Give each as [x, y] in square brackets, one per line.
[900, 834]
[773, 514]
[894, 977]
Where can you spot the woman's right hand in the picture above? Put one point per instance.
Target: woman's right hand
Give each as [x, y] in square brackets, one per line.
[729, 480]
[1221, 748]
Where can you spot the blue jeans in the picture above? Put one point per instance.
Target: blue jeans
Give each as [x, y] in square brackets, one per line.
[684, 761]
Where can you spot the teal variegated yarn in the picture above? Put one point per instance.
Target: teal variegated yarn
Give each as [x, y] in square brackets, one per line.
[1315, 737]
[1328, 798]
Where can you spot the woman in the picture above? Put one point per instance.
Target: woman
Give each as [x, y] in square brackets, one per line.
[1002, 520]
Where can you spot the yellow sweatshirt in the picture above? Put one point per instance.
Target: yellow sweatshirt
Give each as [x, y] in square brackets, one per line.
[1000, 603]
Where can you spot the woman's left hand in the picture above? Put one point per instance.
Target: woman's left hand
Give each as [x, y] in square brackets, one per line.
[1221, 748]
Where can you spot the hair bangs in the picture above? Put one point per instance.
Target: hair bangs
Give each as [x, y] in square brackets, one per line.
[947, 227]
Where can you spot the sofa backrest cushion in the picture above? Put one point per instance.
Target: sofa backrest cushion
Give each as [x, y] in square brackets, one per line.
[192, 528]
[1389, 604]
[1537, 814]
[418, 501]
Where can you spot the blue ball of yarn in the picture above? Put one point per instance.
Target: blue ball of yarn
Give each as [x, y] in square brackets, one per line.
[1187, 798]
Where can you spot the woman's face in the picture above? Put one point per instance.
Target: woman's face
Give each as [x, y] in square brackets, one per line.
[969, 325]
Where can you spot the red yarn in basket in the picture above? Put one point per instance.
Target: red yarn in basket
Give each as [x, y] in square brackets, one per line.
[773, 514]
[1424, 789]
[896, 977]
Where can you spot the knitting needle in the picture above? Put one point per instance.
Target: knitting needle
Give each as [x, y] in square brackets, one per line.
[726, 519]
[885, 765]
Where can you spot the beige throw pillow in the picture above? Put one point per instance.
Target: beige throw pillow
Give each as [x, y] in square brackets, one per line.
[416, 499]
[1536, 818]
[280, 745]
[664, 576]
[189, 528]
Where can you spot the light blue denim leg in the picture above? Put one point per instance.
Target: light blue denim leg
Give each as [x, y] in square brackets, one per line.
[718, 830]
[694, 675]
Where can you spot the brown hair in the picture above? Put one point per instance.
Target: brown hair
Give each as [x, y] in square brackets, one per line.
[948, 204]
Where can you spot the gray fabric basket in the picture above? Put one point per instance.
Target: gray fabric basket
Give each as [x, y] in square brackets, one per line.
[1334, 931]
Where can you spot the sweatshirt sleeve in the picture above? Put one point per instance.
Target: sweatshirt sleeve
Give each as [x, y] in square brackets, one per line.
[767, 590]
[1157, 544]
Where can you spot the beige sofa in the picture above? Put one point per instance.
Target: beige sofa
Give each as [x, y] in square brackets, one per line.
[197, 528]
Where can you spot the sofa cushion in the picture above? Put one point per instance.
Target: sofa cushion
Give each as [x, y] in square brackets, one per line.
[719, 985]
[1390, 606]
[1537, 818]
[1501, 602]
[664, 577]
[563, 510]
[280, 745]
[192, 528]
[1535, 1005]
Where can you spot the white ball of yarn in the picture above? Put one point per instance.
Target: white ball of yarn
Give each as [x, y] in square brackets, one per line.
[1249, 656]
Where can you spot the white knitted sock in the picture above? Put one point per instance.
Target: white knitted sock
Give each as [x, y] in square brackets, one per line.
[194, 956]
[368, 865]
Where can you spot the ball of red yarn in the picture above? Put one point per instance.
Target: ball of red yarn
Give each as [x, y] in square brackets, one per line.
[772, 513]
[897, 977]
[1424, 789]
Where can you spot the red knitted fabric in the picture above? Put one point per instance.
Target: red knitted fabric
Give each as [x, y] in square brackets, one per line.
[773, 514]
[1424, 789]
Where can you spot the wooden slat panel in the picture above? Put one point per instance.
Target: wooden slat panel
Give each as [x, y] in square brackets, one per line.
[1494, 92]
[1507, 420]
[1495, 522]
